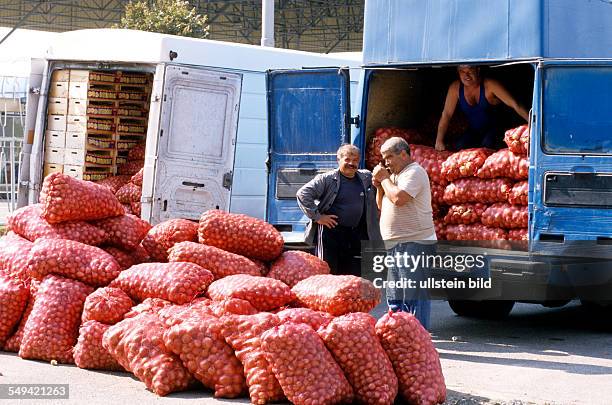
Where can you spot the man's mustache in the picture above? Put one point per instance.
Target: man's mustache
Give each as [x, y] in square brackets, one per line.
[352, 166]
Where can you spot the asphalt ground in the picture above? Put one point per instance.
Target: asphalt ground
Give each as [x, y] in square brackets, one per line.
[535, 356]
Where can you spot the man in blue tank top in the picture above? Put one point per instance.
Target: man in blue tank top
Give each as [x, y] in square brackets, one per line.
[475, 97]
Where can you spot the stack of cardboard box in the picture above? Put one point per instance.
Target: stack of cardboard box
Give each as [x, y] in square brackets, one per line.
[93, 119]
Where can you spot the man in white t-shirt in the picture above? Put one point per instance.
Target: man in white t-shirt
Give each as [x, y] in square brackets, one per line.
[404, 199]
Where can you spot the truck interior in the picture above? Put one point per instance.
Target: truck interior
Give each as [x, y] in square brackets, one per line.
[413, 97]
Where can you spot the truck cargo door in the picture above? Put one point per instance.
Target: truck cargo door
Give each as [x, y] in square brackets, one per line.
[572, 156]
[308, 119]
[195, 143]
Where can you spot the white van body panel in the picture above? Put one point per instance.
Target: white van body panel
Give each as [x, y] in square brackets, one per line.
[250, 174]
[22, 63]
[151, 52]
[195, 151]
[129, 46]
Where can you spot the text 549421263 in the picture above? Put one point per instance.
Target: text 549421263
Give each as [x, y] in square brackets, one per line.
[34, 391]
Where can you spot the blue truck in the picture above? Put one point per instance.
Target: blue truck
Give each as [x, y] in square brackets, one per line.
[554, 56]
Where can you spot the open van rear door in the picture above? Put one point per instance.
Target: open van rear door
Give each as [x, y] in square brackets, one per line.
[28, 184]
[195, 144]
[308, 118]
[571, 154]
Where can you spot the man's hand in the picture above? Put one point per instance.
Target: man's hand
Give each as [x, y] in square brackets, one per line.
[440, 146]
[328, 221]
[376, 183]
[380, 173]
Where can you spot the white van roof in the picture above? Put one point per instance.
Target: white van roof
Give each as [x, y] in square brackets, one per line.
[130, 46]
[20, 48]
[25, 43]
[16, 55]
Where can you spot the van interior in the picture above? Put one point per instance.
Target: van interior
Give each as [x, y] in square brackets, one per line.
[413, 97]
[94, 118]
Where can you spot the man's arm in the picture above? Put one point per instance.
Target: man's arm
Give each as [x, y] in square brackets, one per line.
[380, 193]
[501, 93]
[449, 109]
[306, 196]
[396, 195]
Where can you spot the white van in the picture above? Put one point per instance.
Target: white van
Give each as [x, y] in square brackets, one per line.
[207, 125]
[18, 56]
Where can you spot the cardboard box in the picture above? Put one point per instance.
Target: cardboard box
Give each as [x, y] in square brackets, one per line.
[56, 123]
[74, 171]
[55, 139]
[49, 168]
[85, 76]
[60, 75]
[79, 157]
[57, 106]
[54, 155]
[78, 90]
[77, 106]
[76, 123]
[59, 89]
[75, 140]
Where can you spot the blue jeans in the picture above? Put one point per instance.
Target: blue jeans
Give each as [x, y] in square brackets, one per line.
[414, 300]
[420, 308]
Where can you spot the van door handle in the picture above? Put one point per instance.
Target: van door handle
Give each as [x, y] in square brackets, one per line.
[582, 170]
[191, 184]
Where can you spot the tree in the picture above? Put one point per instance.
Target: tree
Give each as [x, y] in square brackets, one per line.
[175, 17]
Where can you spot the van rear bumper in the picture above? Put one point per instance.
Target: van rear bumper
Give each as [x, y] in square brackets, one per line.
[535, 279]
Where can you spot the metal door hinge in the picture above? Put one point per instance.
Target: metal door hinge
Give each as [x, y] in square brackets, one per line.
[227, 180]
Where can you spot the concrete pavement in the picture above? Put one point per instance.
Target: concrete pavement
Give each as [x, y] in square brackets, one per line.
[536, 356]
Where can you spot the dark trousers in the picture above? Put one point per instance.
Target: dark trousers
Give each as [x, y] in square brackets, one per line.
[340, 247]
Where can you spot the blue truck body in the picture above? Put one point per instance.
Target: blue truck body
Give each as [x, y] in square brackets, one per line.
[434, 31]
[555, 56]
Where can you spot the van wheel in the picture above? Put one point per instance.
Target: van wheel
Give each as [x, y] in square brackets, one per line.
[481, 309]
[554, 303]
[599, 308]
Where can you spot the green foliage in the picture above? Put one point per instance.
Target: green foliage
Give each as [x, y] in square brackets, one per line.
[175, 17]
